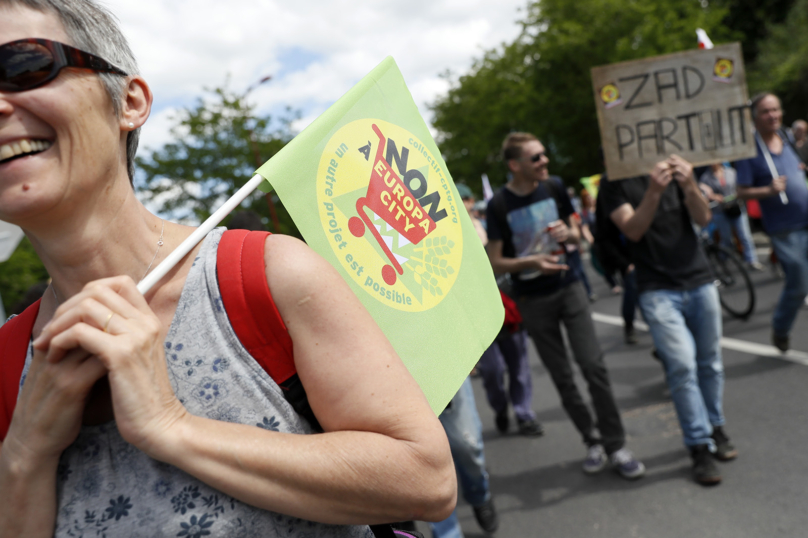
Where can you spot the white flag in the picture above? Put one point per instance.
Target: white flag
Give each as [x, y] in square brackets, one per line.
[487, 192]
[704, 39]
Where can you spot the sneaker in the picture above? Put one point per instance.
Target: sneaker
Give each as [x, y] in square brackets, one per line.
[631, 336]
[502, 422]
[705, 471]
[626, 464]
[530, 428]
[486, 516]
[756, 266]
[596, 459]
[780, 342]
[593, 297]
[724, 449]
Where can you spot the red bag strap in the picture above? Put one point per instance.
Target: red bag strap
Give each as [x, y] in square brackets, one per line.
[249, 305]
[15, 336]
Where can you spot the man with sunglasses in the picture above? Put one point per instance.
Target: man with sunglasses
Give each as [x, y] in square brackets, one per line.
[529, 227]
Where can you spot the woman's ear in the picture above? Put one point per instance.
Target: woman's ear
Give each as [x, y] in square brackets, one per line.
[137, 102]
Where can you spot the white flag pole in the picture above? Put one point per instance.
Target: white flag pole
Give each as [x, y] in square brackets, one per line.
[186, 246]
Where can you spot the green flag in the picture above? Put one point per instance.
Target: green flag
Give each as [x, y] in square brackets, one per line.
[369, 191]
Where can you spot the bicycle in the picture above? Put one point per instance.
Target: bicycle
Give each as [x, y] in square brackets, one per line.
[735, 289]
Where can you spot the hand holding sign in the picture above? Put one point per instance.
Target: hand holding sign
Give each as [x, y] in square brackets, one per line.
[681, 169]
[661, 175]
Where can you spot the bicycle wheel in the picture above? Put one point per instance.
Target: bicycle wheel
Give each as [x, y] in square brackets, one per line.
[735, 289]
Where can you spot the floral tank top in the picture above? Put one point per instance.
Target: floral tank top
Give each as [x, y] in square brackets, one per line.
[108, 488]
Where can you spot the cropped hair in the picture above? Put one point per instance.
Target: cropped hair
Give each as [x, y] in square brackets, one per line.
[755, 101]
[92, 28]
[512, 145]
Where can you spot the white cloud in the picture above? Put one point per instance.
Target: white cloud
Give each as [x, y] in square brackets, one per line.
[316, 50]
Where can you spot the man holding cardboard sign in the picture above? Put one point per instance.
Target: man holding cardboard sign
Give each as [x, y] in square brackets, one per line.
[678, 299]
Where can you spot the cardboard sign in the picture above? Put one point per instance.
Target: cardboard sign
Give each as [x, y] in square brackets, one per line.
[692, 103]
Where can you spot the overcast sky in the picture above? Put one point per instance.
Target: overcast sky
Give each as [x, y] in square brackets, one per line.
[315, 50]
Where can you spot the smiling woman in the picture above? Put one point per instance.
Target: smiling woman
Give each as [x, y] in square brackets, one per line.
[144, 414]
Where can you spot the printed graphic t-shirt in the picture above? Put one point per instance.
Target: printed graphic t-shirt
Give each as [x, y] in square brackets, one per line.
[523, 231]
[668, 257]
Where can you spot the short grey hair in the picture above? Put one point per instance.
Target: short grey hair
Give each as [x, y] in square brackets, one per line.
[92, 28]
[755, 101]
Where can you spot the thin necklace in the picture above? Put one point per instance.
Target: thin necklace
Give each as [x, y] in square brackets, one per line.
[159, 244]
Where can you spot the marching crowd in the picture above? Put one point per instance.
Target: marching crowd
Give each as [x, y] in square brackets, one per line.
[641, 228]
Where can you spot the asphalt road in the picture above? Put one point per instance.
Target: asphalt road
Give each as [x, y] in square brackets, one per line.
[540, 490]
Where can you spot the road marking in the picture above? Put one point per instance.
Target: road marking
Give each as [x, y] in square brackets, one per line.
[763, 350]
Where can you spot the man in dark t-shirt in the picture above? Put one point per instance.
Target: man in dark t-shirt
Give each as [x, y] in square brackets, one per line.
[678, 300]
[528, 228]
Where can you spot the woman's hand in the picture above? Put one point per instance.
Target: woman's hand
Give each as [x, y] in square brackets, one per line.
[47, 417]
[111, 320]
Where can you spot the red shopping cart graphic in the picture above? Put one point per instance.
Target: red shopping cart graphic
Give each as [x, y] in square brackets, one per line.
[390, 199]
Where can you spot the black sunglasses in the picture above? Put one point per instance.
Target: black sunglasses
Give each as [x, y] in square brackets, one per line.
[535, 158]
[26, 64]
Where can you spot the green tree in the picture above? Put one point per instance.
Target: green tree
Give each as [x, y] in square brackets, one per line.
[21, 271]
[213, 155]
[781, 65]
[753, 20]
[541, 82]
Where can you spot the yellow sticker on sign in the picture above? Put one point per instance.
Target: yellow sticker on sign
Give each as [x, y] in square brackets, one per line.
[386, 204]
[610, 95]
[723, 70]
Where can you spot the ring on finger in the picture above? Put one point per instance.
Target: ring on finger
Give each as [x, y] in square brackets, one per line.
[106, 324]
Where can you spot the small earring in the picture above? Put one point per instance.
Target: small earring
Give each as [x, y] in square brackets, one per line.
[131, 125]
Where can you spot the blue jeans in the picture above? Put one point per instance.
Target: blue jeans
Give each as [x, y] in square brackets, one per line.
[508, 351]
[465, 433]
[630, 292]
[686, 328]
[792, 252]
[740, 224]
[577, 266]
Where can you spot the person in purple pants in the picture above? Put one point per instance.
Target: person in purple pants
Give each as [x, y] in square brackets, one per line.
[507, 352]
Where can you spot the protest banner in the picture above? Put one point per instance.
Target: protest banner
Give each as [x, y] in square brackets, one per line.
[369, 191]
[691, 103]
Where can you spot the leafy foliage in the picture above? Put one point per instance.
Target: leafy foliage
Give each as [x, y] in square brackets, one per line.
[754, 19]
[21, 271]
[213, 155]
[541, 82]
[782, 63]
